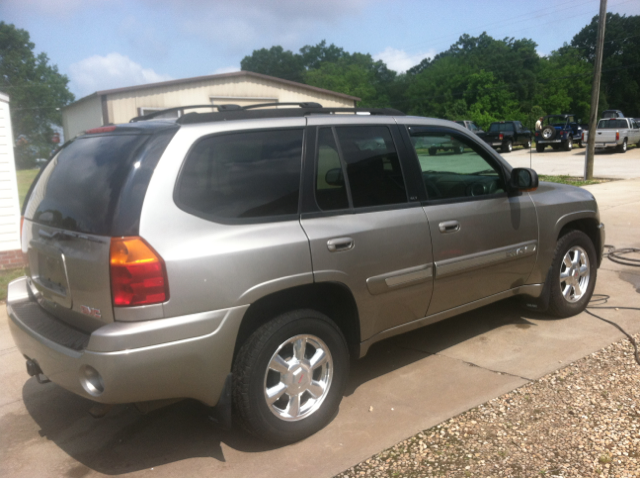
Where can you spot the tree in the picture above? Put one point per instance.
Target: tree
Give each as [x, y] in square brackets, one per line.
[37, 91]
[276, 62]
[620, 83]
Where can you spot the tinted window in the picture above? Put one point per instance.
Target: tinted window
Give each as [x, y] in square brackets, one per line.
[612, 124]
[80, 188]
[331, 192]
[453, 166]
[243, 175]
[373, 169]
[500, 127]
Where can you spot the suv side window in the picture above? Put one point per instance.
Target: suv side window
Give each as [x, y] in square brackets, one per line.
[242, 175]
[453, 166]
[370, 174]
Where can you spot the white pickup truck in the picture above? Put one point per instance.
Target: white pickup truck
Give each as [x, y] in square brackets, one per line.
[616, 133]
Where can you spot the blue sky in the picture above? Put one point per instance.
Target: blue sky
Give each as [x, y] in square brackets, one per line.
[117, 43]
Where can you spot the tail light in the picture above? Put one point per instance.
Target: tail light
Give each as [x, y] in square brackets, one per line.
[138, 273]
[501, 137]
[101, 129]
[617, 135]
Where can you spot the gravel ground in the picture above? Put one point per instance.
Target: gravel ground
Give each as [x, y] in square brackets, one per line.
[581, 421]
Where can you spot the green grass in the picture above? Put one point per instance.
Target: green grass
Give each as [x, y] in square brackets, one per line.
[6, 276]
[25, 178]
[570, 180]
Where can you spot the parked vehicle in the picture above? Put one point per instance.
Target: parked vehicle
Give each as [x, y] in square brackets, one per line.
[507, 134]
[242, 256]
[472, 127]
[612, 114]
[617, 133]
[559, 131]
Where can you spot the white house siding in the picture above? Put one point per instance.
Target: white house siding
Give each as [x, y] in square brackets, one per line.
[82, 115]
[9, 202]
[240, 90]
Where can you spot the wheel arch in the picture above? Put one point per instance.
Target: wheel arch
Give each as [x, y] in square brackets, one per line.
[333, 299]
[589, 225]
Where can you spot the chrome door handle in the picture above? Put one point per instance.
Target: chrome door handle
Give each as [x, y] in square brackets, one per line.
[340, 244]
[449, 226]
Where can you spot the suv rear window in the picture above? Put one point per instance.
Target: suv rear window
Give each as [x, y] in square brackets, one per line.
[83, 187]
[243, 175]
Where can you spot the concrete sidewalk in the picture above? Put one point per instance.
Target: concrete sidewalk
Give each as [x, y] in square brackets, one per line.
[412, 382]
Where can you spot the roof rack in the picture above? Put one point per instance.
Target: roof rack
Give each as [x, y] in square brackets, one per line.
[260, 110]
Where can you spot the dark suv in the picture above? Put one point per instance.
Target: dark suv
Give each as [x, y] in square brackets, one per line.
[559, 131]
[241, 257]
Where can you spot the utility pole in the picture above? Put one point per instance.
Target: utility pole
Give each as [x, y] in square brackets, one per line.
[595, 93]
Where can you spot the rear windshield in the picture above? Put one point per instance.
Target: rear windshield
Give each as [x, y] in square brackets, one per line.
[497, 127]
[612, 124]
[81, 188]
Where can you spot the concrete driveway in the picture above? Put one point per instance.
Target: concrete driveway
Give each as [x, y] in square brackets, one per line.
[607, 163]
[411, 382]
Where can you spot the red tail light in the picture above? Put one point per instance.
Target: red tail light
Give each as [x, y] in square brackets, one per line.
[101, 129]
[501, 137]
[21, 227]
[138, 273]
[617, 135]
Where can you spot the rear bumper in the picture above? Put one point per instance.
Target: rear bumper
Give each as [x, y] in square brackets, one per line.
[182, 357]
[606, 145]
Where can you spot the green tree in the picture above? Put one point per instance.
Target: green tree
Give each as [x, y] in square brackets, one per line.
[37, 91]
[276, 62]
[620, 82]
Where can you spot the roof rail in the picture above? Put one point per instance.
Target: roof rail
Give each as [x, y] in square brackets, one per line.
[252, 112]
[153, 114]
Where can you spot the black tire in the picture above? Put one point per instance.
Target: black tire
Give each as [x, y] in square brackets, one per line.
[559, 305]
[622, 148]
[567, 144]
[539, 147]
[459, 149]
[580, 144]
[251, 373]
[548, 132]
[433, 151]
[527, 145]
[507, 146]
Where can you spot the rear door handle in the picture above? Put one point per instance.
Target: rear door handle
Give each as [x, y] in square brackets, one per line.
[340, 244]
[449, 226]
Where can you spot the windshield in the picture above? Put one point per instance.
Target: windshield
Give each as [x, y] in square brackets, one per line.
[555, 121]
[499, 127]
[611, 124]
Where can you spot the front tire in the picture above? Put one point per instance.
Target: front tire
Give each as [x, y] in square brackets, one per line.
[573, 274]
[289, 376]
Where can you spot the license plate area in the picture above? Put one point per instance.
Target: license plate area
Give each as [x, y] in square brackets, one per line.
[49, 273]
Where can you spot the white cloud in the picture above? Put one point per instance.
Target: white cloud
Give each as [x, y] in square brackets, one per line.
[110, 71]
[230, 69]
[401, 61]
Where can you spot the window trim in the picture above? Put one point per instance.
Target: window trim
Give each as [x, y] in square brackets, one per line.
[481, 150]
[242, 221]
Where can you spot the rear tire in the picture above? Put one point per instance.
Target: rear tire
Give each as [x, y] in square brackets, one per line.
[527, 145]
[573, 274]
[507, 147]
[539, 148]
[568, 144]
[622, 148]
[433, 151]
[289, 376]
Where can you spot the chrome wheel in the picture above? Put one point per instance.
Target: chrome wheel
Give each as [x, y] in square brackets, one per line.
[298, 377]
[575, 273]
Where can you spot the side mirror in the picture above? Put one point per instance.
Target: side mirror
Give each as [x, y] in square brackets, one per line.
[524, 179]
[334, 177]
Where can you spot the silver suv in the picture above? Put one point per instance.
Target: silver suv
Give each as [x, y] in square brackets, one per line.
[242, 257]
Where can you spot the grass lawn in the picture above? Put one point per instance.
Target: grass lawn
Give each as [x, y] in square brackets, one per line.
[6, 276]
[571, 180]
[25, 178]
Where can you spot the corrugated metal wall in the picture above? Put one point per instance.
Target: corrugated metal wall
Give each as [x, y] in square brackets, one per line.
[81, 116]
[9, 202]
[124, 106]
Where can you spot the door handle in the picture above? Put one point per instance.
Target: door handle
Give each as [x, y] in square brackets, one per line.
[449, 226]
[340, 244]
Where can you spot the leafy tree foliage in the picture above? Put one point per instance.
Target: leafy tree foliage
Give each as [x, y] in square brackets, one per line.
[276, 62]
[620, 82]
[37, 91]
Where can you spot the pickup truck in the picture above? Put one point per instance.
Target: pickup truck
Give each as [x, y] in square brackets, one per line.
[507, 134]
[616, 133]
[559, 131]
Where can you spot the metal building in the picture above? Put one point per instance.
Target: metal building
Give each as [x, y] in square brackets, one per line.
[242, 88]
